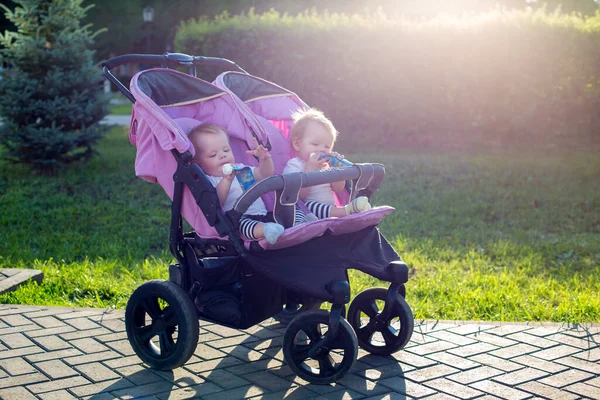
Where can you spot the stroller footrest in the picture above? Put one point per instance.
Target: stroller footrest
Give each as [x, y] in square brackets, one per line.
[399, 271]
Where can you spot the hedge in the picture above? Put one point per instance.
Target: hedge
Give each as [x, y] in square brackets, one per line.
[504, 77]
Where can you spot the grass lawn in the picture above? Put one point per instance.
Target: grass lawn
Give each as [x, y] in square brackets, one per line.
[120, 109]
[502, 237]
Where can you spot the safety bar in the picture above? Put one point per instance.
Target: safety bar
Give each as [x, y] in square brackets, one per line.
[366, 180]
[166, 60]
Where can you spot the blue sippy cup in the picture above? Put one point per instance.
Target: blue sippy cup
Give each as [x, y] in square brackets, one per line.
[335, 161]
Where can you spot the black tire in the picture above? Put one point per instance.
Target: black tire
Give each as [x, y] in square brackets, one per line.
[304, 332]
[146, 319]
[393, 338]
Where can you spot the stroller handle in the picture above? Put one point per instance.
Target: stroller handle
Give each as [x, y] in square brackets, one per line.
[366, 180]
[166, 60]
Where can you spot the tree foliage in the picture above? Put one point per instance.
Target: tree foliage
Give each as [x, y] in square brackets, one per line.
[52, 97]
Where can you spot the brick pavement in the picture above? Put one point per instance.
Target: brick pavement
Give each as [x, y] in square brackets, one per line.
[63, 353]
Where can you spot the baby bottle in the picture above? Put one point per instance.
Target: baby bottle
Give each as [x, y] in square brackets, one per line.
[243, 174]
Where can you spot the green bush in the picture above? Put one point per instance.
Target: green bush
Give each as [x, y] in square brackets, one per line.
[501, 77]
[52, 95]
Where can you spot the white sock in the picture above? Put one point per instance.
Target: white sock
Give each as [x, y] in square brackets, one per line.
[357, 205]
[273, 231]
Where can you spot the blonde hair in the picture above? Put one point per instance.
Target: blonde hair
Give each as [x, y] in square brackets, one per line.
[302, 118]
[207, 128]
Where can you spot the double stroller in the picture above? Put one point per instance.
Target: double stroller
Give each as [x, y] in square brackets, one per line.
[223, 278]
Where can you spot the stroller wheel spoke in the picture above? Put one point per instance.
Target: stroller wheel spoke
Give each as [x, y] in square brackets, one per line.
[166, 343]
[150, 305]
[300, 352]
[388, 335]
[144, 333]
[366, 332]
[170, 317]
[371, 309]
[326, 364]
[313, 332]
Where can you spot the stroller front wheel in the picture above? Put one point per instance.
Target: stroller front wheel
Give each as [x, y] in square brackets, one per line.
[162, 324]
[304, 353]
[377, 336]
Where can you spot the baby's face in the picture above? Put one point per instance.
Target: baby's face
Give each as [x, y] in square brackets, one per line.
[317, 139]
[212, 152]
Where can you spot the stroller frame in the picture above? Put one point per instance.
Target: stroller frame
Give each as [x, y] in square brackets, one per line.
[183, 284]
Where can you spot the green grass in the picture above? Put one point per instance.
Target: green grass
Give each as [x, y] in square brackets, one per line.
[120, 109]
[503, 237]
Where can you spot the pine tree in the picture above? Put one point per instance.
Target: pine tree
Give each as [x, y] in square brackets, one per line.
[52, 98]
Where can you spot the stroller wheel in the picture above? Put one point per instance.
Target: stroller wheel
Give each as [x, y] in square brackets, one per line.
[291, 310]
[377, 336]
[305, 334]
[162, 324]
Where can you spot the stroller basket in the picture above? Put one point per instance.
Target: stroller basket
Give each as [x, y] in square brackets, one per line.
[226, 279]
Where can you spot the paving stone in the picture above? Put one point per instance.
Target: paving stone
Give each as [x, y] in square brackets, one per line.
[95, 333]
[539, 389]
[138, 374]
[500, 390]
[21, 380]
[57, 395]
[493, 339]
[593, 382]
[268, 381]
[538, 363]
[533, 340]
[110, 337]
[56, 369]
[593, 392]
[121, 346]
[386, 371]
[452, 338]
[224, 362]
[545, 330]
[57, 384]
[17, 366]
[96, 372]
[582, 343]
[19, 328]
[23, 351]
[246, 368]
[432, 347]
[223, 331]
[344, 394]
[428, 373]
[16, 340]
[49, 322]
[225, 379]
[453, 388]
[83, 324]
[520, 376]
[15, 320]
[513, 351]
[97, 388]
[79, 313]
[375, 360]
[190, 392]
[407, 387]
[17, 392]
[454, 361]
[475, 374]
[122, 362]
[49, 331]
[180, 377]
[88, 358]
[208, 353]
[565, 378]
[555, 352]
[469, 329]
[52, 355]
[443, 396]
[88, 345]
[43, 312]
[435, 326]
[589, 355]
[236, 394]
[578, 363]
[294, 393]
[472, 349]
[156, 389]
[51, 343]
[505, 330]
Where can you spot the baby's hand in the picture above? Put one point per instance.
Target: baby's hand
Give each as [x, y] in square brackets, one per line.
[314, 164]
[336, 154]
[259, 152]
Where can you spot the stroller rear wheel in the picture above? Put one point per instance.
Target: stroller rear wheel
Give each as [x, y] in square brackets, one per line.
[306, 355]
[376, 335]
[162, 324]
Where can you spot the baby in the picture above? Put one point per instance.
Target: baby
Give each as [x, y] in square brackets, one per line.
[312, 136]
[212, 153]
